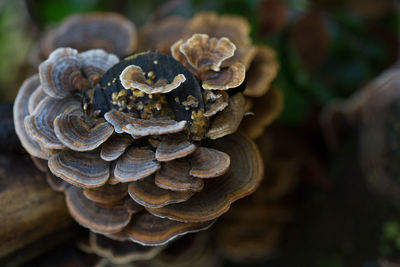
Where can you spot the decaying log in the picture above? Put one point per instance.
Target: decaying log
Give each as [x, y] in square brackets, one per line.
[33, 217]
[29, 208]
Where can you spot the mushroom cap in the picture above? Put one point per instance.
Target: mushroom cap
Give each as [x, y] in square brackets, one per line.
[173, 147]
[76, 134]
[121, 252]
[208, 163]
[107, 194]
[263, 70]
[216, 102]
[20, 111]
[58, 72]
[122, 122]
[115, 146]
[109, 31]
[266, 109]
[227, 78]
[82, 169]
[37, 95]
[40, 124]
[235, 28]
[205, 53]
[175, 175]
[228, 120]
[135, 164]
[242, 179]
[243, 55]
[149, 230]
[203, 56]
[148, 194]
[133, 77]
[179, 56]
[96, 62]
[98, 217]
[161, 35]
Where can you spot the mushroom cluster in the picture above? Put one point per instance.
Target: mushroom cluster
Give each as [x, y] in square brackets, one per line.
[146, 148]
[259, 61]
[117, 35]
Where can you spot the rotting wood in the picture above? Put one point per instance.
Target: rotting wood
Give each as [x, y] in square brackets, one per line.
[29, 208]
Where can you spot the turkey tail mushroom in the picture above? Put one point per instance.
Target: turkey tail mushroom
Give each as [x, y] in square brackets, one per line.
[109, 31]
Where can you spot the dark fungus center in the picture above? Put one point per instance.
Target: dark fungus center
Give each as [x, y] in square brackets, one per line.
[179, 104]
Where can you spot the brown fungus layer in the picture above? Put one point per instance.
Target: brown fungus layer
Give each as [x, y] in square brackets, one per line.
[135, 164]
[40, 124]
[130, 153]
[240, 180]
[203, 56]
[20, 111]
[259, 63]
[111, 32]
[176, 175]
[107, 193]
[148, 194]
[81, 169]
[173, 147]
[75, 133]
[101, 218]
[235, 28]
[147, 229]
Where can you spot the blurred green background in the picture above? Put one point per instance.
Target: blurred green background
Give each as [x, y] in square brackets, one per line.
[327, 50]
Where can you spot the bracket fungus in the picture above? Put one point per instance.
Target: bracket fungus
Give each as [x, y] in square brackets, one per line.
[111, 32]
[252, 68]
[204, 55]
[132, 137]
